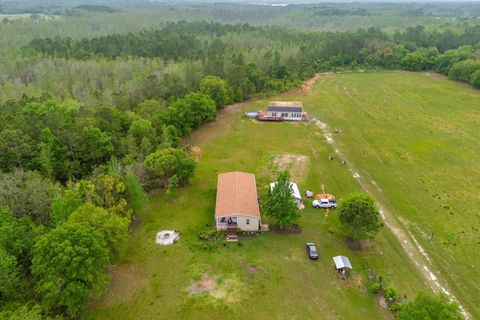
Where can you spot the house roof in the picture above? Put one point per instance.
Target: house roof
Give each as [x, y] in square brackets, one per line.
[295, 191]
[285, 106]
[342, 262]
[236, 195]
[284, 109]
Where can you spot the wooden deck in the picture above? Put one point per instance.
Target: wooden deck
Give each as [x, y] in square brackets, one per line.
[232, 235]
[267, 118]
[264, 228]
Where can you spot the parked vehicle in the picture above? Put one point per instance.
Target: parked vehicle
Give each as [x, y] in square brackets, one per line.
[312, 251]
[251, 114]
[325, 203]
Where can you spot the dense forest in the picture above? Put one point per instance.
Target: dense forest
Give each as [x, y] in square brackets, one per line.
[92, 120]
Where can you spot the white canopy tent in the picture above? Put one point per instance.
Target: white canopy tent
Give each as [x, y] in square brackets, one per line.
[342, 262]
[295, 191]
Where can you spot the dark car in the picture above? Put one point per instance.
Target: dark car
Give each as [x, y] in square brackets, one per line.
[312, 251]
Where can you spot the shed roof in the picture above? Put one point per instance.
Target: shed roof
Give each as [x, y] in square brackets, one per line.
[236, 195]
[295, 191]
[342, 262]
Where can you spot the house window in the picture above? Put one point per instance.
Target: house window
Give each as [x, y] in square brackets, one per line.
[248, 221]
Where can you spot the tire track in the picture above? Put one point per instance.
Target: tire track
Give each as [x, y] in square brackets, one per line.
[407, 240]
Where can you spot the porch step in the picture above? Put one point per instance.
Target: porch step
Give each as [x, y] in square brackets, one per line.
[232, 238]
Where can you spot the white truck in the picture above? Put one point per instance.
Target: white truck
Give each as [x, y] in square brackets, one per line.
[325, 203]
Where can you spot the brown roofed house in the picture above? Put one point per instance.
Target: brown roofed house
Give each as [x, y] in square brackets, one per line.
[237, 202]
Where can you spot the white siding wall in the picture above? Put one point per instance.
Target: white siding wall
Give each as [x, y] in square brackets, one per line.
[252, 226]
[253, 223]
[286, 115]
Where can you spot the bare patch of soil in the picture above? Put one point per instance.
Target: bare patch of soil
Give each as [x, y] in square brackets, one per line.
[354, 245]
[306, 87]
[286, 230]
[253, 269]
[382, 302]
[359, 245]
[214, 128]
[232, 107]
[136, 220]
[206, 284]
[196, 153]
[366, 243]
[229, 290]
[297, 164]
[434, 75]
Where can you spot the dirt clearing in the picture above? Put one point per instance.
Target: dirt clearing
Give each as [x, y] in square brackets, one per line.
[206, 284]
[308, 84]
[297, 164]
[229, 290]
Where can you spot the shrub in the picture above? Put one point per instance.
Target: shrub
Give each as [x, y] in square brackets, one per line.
[212, 235]
[375, 288]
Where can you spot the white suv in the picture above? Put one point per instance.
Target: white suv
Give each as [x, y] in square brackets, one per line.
[325, 203]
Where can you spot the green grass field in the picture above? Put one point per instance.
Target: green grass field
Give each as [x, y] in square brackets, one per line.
[416, 135]
[413, 135]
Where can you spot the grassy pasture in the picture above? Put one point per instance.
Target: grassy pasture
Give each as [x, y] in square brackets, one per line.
[416, 135]
[267, 277]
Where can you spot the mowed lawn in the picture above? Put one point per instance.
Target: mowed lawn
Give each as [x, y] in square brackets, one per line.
[417, 136]
[269, 276]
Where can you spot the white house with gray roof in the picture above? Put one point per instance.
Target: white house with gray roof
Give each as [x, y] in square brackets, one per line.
[286, 110]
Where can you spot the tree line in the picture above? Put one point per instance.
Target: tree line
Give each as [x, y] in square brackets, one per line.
[412, 49]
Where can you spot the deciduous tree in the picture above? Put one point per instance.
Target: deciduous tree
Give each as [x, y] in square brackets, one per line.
[16, 149]
[279, 203]
[106, 191]
[9, 276]
[17, 237]
[28, 194]
[69, 266]
[217, 88]
[426, 307]
[360, 216]
[165, 163]
[113, 227]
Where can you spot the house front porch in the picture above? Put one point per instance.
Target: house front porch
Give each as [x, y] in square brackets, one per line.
[225, 223]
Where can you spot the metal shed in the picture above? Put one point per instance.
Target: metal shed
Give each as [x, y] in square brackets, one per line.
[341, 263]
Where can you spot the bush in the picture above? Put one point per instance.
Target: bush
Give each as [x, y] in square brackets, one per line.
[375, 288]
[390, 294]
[475, 79]
[212, 235]
[137, 198]
[429, 307]
[463, 70]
